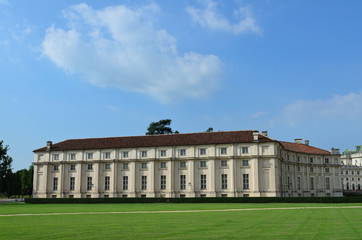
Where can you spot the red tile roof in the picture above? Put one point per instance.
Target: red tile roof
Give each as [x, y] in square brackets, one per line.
[158, 140]
[302, 148]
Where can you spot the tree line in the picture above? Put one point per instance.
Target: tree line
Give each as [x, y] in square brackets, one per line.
[13, 183]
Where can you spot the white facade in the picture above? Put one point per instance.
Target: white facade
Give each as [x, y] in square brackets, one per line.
[253, 168]
[352, 170]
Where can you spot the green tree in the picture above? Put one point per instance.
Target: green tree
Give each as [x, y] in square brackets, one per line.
[160, 127]
[210, 129]
[5, 170]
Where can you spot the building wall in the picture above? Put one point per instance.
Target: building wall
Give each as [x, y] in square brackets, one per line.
[351, 172]
[231, 170]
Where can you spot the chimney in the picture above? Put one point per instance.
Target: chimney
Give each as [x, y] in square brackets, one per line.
[307, 142]
[298, 140]
[256, 136]
[49, 145]
[265, 133]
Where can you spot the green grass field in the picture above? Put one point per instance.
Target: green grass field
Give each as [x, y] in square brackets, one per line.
[141, 221]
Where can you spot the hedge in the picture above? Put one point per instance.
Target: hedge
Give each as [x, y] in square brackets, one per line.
[349, 199]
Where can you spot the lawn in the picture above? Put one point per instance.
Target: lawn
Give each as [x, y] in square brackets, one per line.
[276, 223]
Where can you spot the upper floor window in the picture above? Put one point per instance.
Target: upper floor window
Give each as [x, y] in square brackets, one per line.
[107, 166]
[143, 153]
[202, 163]
[298, 159]
[144, 165]
[125, 165]
[202, 151]
[245, 150]
[56, 167]
[182, 164]
[223, 150]
[245, 163]
[311, 160]
[224, 163]
[182, 152]
[107, 155]
[90, 155]
[72, 167]
[55, 156]
[163, 164]
[163, 153]
[326, 160]
[327, 169]
[90, 167]
[125, 154]
[72, 156]
[311, 169]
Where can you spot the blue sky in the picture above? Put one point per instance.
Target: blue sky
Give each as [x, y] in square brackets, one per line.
[72, 69]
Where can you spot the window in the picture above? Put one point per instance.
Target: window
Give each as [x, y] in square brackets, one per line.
[72, 183]
[357, 172]
[183, 152]
[71, 196]
[224, 181]
[107, 155]
[223, 150]
[125, 166]
[182, 195]
[106, 182]
[106, 196]
[352, 173]
[182, 182]
[245, 150]
[311, 160]
[90, 167]
[163, 164]
[72, 156]
[327, 170]
[289, 183]
[298, 183]
[298, 168]
[163, 153]
[55, 184]
[182, 164]
[346, 172]
[125, 154]
[72, 167]
[311, 183]
[245, 163]
[56, 167]
[55, 156]
[203, 181]
[144, 154]
[202, 151]
[224, 163]
[311, 169]
[144, 165]
[326, 160]
[328, 184]
[298, 159]
[144, 183]
[107, 166]
[125, 182]
[202, 163]
[163, 181]
[245, 181]
[89, 183]
[88, 196]
[90, 155]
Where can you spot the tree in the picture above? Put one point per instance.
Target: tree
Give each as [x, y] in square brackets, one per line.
[210, 129]
[5, 170]
[160, 127]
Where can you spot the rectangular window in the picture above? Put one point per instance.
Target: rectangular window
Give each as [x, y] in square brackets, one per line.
[125, 182]
[245, 163]
[144, 183]
[90, 155]
[107, 180]
[56, 167]
[125, 166]
[224, 163]
[245, 181]
[224, 181]
[107, 155]
[72, 183]
[55, 156]
[311, 160]
[311, 183]
[89, 183]
[125, 154]
[90, 167]
[72, 167]
[163, 164]
[163, 181]
[182, 182]
[183, 152]
[182, 164]
[144, 154]
[202, 151]
[328, 184]
[327, 170]
[245, 150]
[55, 184]
[311, 169]
[107, 166]
[298, 183]
[298, 168]
[72, 156]
[144, 165]
[163, 153]
[346, 172]
[202, 163]
[298, 159]
[203, 181]
[223, 150]
[326, 160]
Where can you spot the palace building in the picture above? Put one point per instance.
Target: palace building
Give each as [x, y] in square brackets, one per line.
[207, 164]
[352, 171]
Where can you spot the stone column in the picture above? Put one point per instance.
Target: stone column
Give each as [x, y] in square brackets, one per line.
[255, 177]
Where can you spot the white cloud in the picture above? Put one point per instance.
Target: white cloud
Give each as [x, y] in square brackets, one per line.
[347, 107]
[211, 18]
[120, 47]
[4, 2]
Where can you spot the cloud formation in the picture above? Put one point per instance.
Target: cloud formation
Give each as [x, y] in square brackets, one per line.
[347, 107]
[120, 47]
[211, 18]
